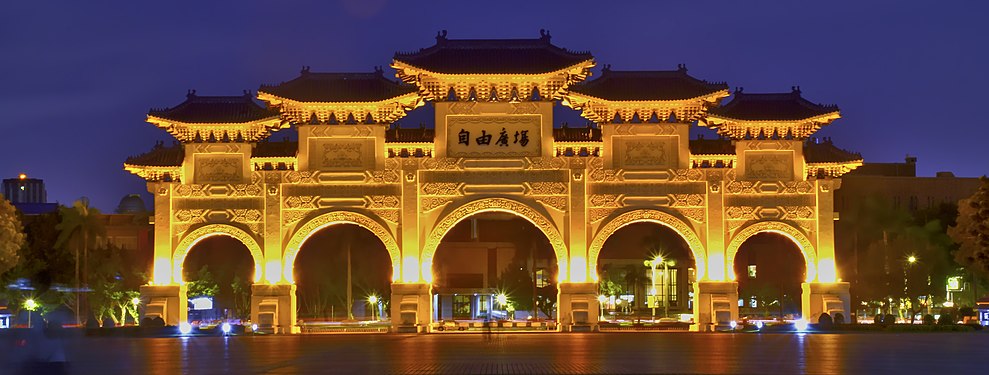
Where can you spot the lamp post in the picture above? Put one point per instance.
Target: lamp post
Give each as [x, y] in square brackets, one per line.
[601, 300]
[906, 281]
[502, 301]
[30, 305]
[373, 300]
[135, 301]
[666, 291]
[652, 264]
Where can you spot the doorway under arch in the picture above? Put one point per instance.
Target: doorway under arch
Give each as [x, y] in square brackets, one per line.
[769, 268]
[218, 272]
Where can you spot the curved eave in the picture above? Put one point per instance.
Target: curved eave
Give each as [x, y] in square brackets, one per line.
[835, 169]
[275, 100]
[580, 102]
[819, 119]
[401, 67]
[147, 172]
[265, 126]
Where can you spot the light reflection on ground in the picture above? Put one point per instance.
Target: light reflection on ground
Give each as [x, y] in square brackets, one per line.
[532, 353]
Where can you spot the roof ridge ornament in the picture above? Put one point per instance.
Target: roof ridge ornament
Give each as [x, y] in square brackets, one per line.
[305, 70]
[795, 90]
[544, 35]
[191, 93]
[606, 68]
[682, 68]
[441, 37]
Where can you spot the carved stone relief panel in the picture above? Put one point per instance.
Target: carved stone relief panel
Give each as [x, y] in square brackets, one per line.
[769, 165]
[657, 152]
[219, 169]
[341, 154]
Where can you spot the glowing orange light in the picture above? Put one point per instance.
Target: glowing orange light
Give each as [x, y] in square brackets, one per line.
[22, 176]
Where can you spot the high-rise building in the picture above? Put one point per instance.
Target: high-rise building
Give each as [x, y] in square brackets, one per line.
[28, 194]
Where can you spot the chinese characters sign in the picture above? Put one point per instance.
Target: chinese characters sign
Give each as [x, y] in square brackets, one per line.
[493, 136]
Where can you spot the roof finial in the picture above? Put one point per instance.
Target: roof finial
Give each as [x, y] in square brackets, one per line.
[682, 68]
[378, 70]
[440, 36]
[247, 93]
[191, 93]
[544, 34]
[739, 89]
[305, 70]
[795, 89]
[606, 68]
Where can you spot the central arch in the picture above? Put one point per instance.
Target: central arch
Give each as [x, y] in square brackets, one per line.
[650, 216]
[778, 227]
[333, 218]
[210, 230]
[493, 205]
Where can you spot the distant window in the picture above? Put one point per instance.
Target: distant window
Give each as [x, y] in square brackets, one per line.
[752, 271]
[461, 306]
[753, 302]
[913, 203]
[542, 278]
[672, 286]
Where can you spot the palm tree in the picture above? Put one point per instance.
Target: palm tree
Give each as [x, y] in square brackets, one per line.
[81, 225]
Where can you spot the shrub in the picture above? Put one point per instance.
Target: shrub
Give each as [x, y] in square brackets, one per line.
[929, 320]
[889, 319]
[946, 319]
[878, 319]
[825, 321]
[839, 318]
[966, 311]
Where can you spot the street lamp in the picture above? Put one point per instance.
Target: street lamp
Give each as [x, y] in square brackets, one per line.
[652, 266]
[373, 300]
[30, 305]
[601, 300]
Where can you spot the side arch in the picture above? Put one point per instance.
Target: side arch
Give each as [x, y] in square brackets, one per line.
[339, 217]
[493, 205]
[649, 216]
[789, 231]
[210, 230]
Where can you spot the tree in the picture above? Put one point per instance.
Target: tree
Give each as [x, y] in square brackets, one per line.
[110, 296]
[203, 285]
[242, 296]
[972, 231]
[83, 226]
[11, 235]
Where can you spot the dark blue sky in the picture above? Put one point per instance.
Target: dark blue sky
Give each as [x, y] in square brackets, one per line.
[79, 77]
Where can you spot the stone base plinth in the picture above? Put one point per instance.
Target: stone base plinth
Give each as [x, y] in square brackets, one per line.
[273, 308]
[411, 307]
[577, 307]
[831, 298]
[715, 303]
[169, 302]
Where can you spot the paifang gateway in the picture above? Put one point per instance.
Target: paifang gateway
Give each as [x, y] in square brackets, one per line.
[493, 148]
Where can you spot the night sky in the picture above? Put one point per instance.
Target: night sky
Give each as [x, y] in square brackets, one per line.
[79, 77]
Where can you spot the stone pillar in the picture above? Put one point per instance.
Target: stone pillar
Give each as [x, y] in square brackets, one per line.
[577, 307]
[166, 301]
[411, 307]
[818, 298]
[715, 303]
[273, 308]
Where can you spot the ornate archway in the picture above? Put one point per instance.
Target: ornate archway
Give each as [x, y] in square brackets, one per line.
[650, 216]
[209, 230]
[339, 217]
[778, 227]
[493, 205]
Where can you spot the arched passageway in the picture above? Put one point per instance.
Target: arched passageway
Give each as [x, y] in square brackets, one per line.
[769, 268]
[218, 271]
[337, 270]
[490, 254]
[646, 271]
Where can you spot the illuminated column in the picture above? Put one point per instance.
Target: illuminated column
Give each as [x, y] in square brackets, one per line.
[411, 302]
[273, 299]
[825, 293]
[577, 304]
[164, 297]
[715, 292]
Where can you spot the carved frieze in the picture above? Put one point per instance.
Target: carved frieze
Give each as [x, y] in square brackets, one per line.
[383, 201]
[596, 214]
[686, 200]
[219, 168]
[769, 165]
[547, 188]
[427, 204]
[646, 153]
[293, 216]
[190, 215]
[605, 200]
[441, 164]
[695, 214]
[387, 215]
[301, 201]
[441, 188]
[384, 177]
[557, 202]
[688, 175]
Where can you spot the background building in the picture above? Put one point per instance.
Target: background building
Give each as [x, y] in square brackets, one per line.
[28, 195]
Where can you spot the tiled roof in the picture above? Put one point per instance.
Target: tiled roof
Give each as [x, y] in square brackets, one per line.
[568, 134]
[824, 151]
[339, 87]
[275, 149]
[647, 85]
[160, 156]
[492, 56]
[771, 107]
[215, 110]
[409, 135]
[717, 146]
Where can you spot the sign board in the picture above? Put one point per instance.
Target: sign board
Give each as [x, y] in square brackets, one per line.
[954, 283]
[984, 317]
[494, 136]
